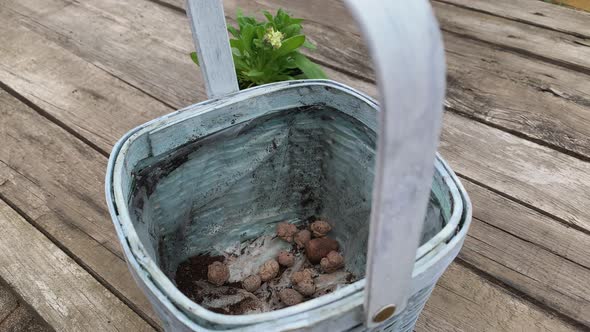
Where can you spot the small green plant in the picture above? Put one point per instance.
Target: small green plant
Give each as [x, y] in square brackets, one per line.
[265, 52]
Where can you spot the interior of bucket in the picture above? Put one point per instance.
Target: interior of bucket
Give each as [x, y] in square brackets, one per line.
[212, 177]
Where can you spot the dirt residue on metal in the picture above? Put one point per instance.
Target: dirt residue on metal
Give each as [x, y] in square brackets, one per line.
[191, 270]
[245, 259]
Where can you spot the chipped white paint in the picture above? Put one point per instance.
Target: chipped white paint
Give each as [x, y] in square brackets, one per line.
[212, 45]
[405, 43]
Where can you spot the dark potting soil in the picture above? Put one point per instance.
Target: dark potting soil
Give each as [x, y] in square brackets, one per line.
[193, 269]
[231, 298]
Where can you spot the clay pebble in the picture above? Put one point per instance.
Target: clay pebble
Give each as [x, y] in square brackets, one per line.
[318, 248]
[217, 273]
[290, 296]
[286, 231]
[269, 270]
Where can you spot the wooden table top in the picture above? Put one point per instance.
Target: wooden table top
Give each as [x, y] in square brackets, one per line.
[76, 75]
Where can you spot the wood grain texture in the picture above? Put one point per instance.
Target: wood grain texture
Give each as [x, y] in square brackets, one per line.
[61, 192]
[531, 252]
[8, 301]
[22, 319]
[82, 169]
[491, 88]
[558, 283]
[538, 100]
[170, 32]
[77, 92]
[529, 226]
[122, 20]
[565, 49]
[47, 69]
[534, 12]
[482, 306]
[527, 172]
[65, 295]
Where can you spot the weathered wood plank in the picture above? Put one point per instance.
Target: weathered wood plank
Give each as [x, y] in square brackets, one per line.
[547, 193]
[552, 112]
[529, 226]
[534, 12]
[536, 100]
[543, 102]
[352, 82]
[56, 180]
[16, 315]
[79, 93]
[70, 92]
[82, 168]
[8, 301]
[560, 284]
[530, 252]
[22, 319]
[565, 49]
[482, 306]
[530, 173]
[65, 295]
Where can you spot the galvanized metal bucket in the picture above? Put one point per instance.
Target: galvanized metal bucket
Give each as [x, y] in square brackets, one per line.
[229, 168]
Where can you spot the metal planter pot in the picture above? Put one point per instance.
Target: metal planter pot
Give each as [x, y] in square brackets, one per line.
[205, 158]
[227, 169]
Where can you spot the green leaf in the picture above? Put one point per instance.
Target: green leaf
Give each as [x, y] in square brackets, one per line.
[195, 58]
[310, 69]
[247, 34]
[254, 73]
[295, 20]
[268, 15]
[258, 43]
[309, 45]
[240, 64]
[237, 43]
[289, 45]
[261, 30]
[233, 31]
[291, 30]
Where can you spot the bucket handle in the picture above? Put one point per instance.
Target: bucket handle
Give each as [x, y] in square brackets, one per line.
[405, 44]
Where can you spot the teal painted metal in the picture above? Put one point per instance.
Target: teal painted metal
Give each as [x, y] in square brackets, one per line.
[228, 169]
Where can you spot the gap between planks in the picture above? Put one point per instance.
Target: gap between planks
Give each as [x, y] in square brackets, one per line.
[59, 290]
[534, 12]
[371, 89]
[504, 204]
[500, 296]
[516, 198]
[544, 122]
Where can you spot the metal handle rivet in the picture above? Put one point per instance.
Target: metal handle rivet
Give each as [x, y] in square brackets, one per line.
[384, 313]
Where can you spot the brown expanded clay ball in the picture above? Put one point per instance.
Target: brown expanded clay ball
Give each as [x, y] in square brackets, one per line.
[332, 262]
[316, 249]
[251, 283]
[320, 228]
[300, 276]
[305, 287]
[217, 273]
[303, 282]
[269, 270]
[302, 237]
[286, 259]
[290, 296]
[286, 231]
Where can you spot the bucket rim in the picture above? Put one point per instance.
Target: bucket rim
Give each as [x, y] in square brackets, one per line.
[154, 278]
